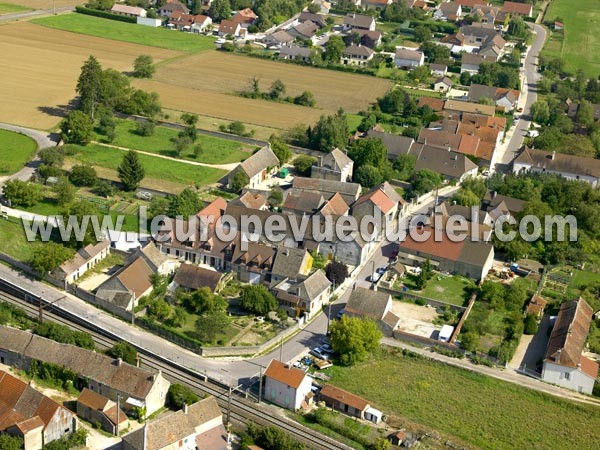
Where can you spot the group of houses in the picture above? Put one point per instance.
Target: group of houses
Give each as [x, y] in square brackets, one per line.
[112, 391]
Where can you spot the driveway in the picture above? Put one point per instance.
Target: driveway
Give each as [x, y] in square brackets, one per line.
[531, 349]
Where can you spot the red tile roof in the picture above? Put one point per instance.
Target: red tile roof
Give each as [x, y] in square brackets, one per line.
[335, 393]
[517, 8]
[378, 198]
[589, 367]
[285, 373]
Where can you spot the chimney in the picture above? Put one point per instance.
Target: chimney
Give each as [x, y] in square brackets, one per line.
[558, 352]
[553, 156]
[494, 194]
[119, 362]
[354, 287]
[185, 408]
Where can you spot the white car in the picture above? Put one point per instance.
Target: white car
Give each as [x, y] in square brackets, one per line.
[317, 352]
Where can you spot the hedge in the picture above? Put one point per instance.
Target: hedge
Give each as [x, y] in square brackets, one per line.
[104, 14]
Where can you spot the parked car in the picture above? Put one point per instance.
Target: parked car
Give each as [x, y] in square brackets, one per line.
[340, 314]
[317, 352]
[381, 270]
[374, 278]
[326, 348]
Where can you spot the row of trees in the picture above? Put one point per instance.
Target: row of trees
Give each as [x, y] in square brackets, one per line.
[277, 93]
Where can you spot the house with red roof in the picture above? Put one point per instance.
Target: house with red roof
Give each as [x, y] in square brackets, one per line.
[286, 386]
[27, 413]
[564, 363]
[376, 203]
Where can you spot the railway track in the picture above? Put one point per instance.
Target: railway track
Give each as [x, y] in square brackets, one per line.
[233, 404]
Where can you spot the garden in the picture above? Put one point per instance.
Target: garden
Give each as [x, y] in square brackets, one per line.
[15, 151]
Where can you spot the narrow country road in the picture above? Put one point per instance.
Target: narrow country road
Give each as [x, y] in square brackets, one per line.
[528, 97]
[32, 14]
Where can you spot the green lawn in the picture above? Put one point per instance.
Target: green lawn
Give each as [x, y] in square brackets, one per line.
[214, 150]
[447, 289]
[482, 411]
[13, 241]
[7, 8]
[128, 32]
[582, 41]
[157, 168]
[15, 150]
[354, 121]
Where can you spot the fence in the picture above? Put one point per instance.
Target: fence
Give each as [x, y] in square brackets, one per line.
[28, 270]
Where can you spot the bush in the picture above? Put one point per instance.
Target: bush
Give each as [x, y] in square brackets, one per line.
[179, 395]
[104, 14]
[82, 175]
[63, 334]
[531, 324]
[145, 128]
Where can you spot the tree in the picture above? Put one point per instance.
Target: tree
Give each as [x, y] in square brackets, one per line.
[540, 112]
[368, 176]
[8, 442]
[211, 324]
[330, 132]
[143, 66]
[305, 99]
[49, 257]
[334, 48]
[404, 165]
[64, 191]
[277, 90]
[22, 193]
[189, 119]
[160, 309]
[142, 103]
[131, 172]
[420, 73]
[77, 128]
[181, 143]
[531, 324]
[79, 209]
[336, 272]
[178, 395]
[275, 198]
[469, 341]
[240, 181]
[422, 33]
[585, 113]
[204, 300]
[517, 27]
[392, 102]
[89, 85]
[125, 351]
[145, 128]
[435, 51]
[466, 197]
[104, 188]
[303, 163]
[425, 180]
[52, 156]
[257, 299]
[369, 151]
[281, 150]
[219, 10]
[354, 338]
[83, 175]
[186, 204]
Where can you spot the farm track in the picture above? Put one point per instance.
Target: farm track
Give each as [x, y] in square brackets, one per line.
[241, 409]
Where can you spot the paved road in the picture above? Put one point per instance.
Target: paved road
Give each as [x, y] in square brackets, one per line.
[43, 140]
[528, 97]
[33, 14]
[501, 374]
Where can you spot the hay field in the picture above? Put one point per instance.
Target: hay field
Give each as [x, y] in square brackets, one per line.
[39, 69]
[203, 83]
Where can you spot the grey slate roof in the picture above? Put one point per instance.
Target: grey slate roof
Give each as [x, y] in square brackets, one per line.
[328, 187]
[294, 50]
[126, 378]
[450, 164]
[394, 143]
[358, 50]
[559, 162]
[358, 20]
[259, 161]
[289, 261]
[367, 303]
[193, 277]
[316, 283]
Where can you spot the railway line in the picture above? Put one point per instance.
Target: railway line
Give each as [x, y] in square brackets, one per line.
[232, 400]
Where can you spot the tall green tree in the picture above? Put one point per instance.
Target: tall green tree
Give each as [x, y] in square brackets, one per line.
[49, 257]
[281, 149]
[125, 351]
[219, 10]
[131, 172]
[143, 66]
[354, 338]
[77, 128]
[330, 132]
[64, 191]
[334, 48]
[257, 299]
[22, 193]
[186, 204]
[89, 85]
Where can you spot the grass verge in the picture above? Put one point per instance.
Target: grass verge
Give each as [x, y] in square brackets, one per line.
[15, 150]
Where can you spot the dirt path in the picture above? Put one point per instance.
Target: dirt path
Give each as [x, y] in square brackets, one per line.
[227, 167]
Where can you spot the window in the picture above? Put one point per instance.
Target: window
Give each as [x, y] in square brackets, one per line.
[567, 376]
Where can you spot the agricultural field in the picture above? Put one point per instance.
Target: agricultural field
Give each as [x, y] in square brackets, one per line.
[40, 66]
[8, 8]
[128, 32]
[159, 171]
[470, 406]
[15, 150]
[581, 46]
[214, 150]
[197, 84]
